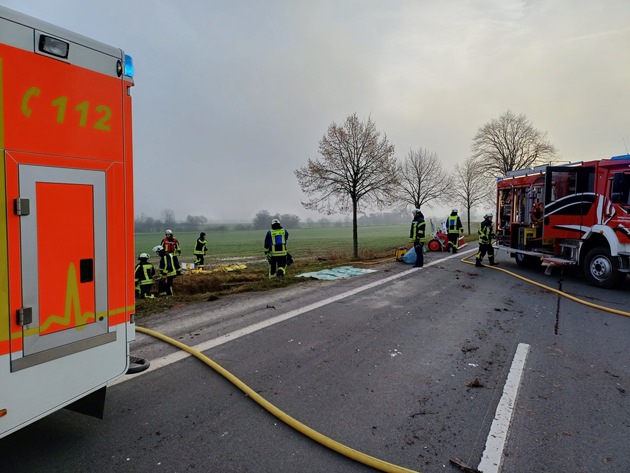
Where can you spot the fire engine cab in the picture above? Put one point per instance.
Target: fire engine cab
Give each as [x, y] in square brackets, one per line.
[574, 214]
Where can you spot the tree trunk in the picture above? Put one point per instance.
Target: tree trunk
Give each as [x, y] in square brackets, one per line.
[468, 213]
[355, 232]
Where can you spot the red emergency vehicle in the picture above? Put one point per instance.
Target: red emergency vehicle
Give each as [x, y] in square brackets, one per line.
[66, 220]
[575, 214]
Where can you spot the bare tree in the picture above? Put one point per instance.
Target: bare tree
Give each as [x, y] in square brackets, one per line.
[510, 142]
[358, 169]
[168, 217]
[471, 186]
[422, 179]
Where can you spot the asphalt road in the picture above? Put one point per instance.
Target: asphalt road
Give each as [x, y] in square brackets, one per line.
[405, 365]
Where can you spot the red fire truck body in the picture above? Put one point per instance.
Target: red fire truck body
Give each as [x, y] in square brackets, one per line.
[575, 214]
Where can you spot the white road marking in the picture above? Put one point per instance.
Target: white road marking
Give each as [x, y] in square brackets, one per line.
[207, 345]
[493, 453]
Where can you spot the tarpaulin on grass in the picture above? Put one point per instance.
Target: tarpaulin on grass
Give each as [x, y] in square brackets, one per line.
[336, 273]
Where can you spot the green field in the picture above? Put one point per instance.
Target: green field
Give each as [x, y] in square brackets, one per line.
[303, 242]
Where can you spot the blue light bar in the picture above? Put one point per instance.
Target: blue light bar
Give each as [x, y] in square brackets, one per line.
[128, 66]
[621, 157]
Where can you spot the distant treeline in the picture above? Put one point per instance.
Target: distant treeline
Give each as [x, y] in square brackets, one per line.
[262, 220]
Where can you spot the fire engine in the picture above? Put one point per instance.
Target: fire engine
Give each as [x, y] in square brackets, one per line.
[574, 214]
[66, 220]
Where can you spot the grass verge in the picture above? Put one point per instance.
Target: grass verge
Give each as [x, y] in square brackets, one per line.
[213, 284]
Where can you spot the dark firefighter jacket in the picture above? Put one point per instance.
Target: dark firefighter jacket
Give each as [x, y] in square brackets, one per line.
[485, 231]
[276, 241]
[417, 231]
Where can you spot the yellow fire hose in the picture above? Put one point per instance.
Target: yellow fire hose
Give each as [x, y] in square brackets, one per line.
[284, 417]
[551, 289]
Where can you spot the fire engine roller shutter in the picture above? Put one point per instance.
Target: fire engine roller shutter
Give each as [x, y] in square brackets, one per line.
[64, 261]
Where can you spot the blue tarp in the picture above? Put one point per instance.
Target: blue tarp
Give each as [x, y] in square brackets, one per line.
[409, 257]
[336, 273]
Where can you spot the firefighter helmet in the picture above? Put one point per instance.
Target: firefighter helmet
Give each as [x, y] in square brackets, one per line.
[416, 211]
[168, 232]
[275, 220]
[454, 211]
[488, 215]
[143, 256]
[157, 249]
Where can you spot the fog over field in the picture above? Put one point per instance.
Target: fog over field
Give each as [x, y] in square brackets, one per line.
[232, 97]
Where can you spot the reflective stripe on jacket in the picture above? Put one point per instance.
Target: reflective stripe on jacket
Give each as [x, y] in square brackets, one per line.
[171, 246]
[453, 224]
[200, 247]
[485, 232]
[278, 242]
[167, 265]
[144, 274]
[417, 231]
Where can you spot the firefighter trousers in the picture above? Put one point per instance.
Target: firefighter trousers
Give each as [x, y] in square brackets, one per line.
[165, 286]
[277, 266]
[483, 249]
[453, 241]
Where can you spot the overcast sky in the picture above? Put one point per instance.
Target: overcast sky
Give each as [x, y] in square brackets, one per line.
[232, 96]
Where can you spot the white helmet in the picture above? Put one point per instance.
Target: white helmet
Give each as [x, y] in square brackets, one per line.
[168, 232]
[157, 249]
[275, 220]
[454, 211]
[143, 256]
[416, 211]
[488, 215]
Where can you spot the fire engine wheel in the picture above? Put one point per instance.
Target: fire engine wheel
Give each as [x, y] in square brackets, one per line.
[601, 269]
[527, 261]
[137, 365]
[434, 245]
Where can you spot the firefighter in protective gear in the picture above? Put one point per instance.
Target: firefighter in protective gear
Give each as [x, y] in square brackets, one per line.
[486, 235]
[276, 249]
[167, 271]
[171, 245]
[454, 227]
[200, 250]
[144, 273]
[417, 236]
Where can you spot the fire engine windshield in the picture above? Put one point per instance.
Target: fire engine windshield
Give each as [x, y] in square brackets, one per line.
[620, 190]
